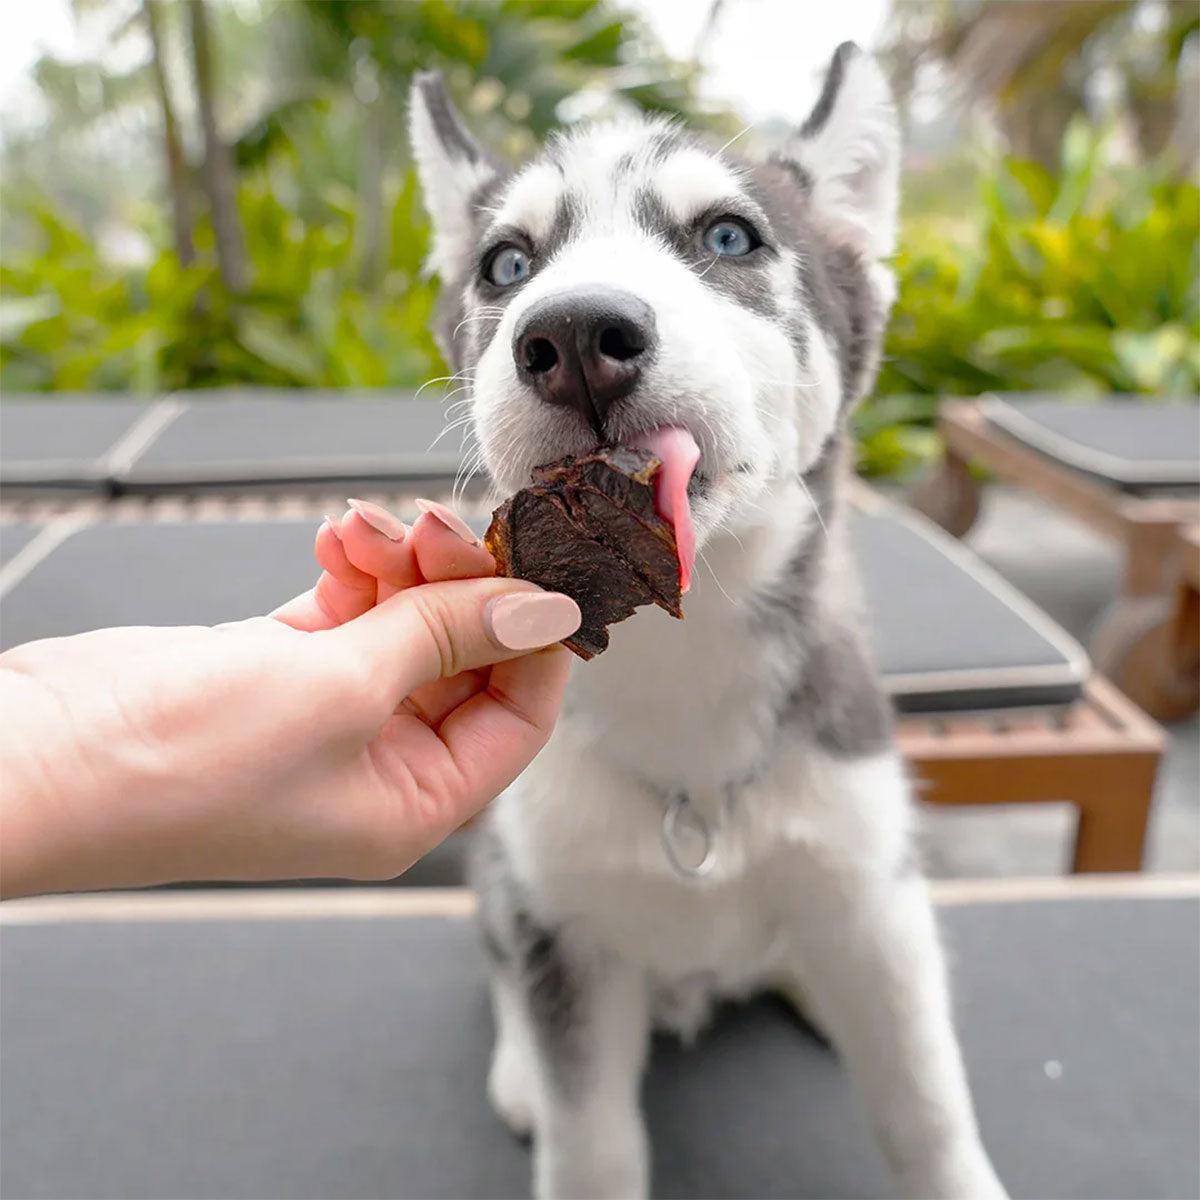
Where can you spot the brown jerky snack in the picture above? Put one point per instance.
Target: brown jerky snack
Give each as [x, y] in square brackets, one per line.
[588, 527]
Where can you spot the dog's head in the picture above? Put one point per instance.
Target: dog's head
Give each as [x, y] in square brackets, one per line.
[632, 280]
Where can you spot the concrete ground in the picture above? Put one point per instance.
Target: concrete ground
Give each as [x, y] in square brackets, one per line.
[1071, 574]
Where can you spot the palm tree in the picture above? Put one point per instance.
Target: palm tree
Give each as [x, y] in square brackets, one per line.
[1034, 61]
[218, 173]
[177, 175]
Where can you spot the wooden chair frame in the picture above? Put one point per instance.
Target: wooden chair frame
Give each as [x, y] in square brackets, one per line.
[1130, 645]
[1100, 754]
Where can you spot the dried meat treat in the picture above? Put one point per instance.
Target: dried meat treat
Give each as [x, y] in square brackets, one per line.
[589, 526]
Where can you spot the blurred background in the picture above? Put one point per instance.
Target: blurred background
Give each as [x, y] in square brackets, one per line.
[204, 194]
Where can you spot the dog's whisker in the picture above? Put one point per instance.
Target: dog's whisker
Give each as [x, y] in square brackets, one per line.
[466, 472]
[740, 134]
[788, 383]
[816, 509]
[725, 527]
[450, 426]
[432, 382]
[474, 320]
[720, 587]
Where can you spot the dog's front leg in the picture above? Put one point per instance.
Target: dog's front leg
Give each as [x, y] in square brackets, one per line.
[867, 954]
[589, 1136]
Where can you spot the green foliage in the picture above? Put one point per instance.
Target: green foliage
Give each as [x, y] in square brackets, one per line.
[70, 320]
[1086, 283]
[327, 201]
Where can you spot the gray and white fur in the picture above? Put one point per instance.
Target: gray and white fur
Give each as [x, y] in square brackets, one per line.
[762, 707]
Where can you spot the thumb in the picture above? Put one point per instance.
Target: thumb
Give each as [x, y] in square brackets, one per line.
[436, 630]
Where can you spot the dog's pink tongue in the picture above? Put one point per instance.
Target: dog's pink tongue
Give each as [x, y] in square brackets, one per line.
[677, 450]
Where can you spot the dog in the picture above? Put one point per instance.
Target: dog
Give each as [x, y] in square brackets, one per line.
[721, 808]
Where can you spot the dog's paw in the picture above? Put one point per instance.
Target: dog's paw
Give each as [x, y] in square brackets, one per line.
[603, 1155]
[967, 1175]
[556, 1179]
[510, 1089]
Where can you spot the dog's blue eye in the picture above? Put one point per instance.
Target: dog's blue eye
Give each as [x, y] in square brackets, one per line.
[508, 266]
[728, 238]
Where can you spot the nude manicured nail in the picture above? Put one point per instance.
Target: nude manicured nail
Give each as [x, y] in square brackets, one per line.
[450, 519]
[530, 620]
[335, 526]
[380, 519]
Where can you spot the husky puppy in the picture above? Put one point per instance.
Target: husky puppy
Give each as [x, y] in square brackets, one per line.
[721, 808]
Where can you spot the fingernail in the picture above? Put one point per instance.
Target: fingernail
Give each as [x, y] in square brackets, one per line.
[380, 519]
[335, 526]
[530, 620]
[450, 519]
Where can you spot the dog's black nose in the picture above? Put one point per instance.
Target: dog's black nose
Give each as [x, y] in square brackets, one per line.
[585, 349]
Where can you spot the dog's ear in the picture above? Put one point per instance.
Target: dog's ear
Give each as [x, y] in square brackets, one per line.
[452, 167]
[849, 150]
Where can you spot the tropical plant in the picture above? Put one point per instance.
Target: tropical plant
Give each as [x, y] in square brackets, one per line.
[296, 232]
[1088, 282]
[70, 319]
[1038, 63]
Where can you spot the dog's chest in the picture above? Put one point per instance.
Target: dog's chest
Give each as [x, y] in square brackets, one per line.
[691, 704]
[672, 709]
[588, 843]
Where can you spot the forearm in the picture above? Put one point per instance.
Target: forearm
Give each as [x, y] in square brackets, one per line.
[55, 797]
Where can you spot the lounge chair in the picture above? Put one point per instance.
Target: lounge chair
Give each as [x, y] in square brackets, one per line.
[334, 1044]
[225, 441]
[69, 442]
[1130, 470]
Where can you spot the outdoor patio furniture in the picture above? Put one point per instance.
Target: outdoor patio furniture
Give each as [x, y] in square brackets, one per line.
[998, 704]
[228, 440]
[334, 1044]
[69, 442]
[1184, 649]
[1128, 469]
[256, 438]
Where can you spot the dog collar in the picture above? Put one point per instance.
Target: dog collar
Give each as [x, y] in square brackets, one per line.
[688, 840]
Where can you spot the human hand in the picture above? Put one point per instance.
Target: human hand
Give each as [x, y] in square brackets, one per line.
[343, 736]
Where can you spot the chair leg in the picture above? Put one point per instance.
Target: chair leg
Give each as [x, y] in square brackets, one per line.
[948, 494]
[1142, 648]
[1111, 833]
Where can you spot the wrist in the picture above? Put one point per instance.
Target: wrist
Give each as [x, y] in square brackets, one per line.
[30, 801]
[55, 798]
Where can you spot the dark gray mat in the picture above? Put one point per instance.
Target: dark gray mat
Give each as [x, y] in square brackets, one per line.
[346, 1058]
[946, 637]
[1132, 442]
[63, 442]
[14, 538]
[160, 574]
[241, 438]
[948, 632]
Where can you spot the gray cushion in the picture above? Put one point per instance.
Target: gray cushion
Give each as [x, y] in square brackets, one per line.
[347, 1057]
[240, 438]
[160, 574]
[1134, 443]
[948, 632]
[63, 442]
